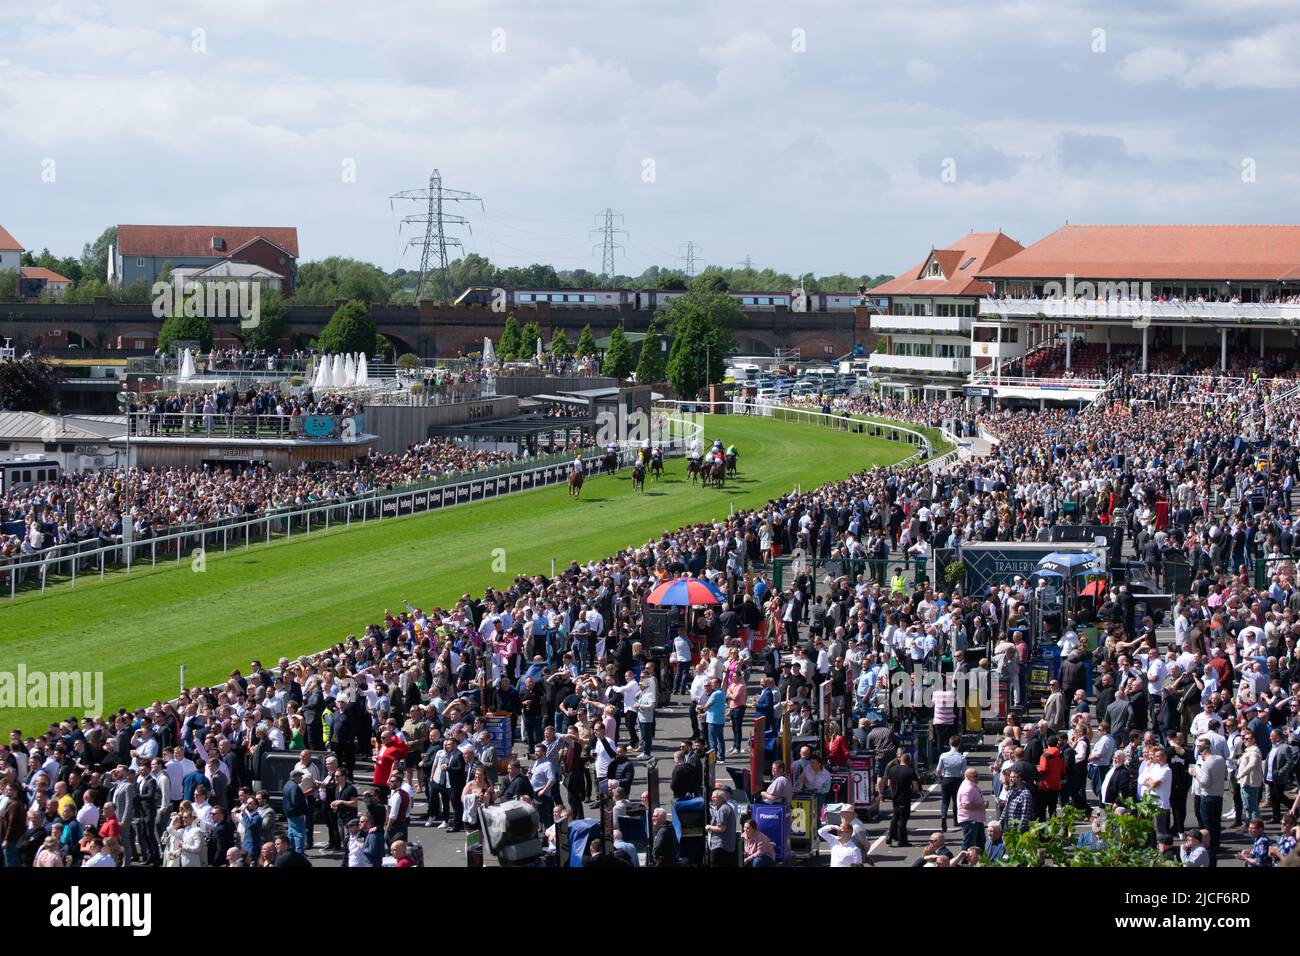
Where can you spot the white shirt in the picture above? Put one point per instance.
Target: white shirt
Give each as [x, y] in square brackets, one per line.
[1157, 777]
[842, 854]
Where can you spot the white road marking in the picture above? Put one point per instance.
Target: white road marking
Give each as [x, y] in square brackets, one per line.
[919, 800]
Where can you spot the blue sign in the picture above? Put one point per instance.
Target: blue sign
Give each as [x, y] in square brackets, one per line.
[499, 728]
[773, 821]
[318, 426]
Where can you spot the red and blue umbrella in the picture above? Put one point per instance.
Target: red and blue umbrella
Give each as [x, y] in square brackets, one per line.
[685, 592]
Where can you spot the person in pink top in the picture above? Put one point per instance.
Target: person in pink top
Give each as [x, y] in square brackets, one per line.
[971, 807]
[737, 697]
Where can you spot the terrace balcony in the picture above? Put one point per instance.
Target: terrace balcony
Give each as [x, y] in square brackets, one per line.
[1126, 310]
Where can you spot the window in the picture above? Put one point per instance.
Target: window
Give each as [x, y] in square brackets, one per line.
[936, 271]
[968, 262]
[139, 262]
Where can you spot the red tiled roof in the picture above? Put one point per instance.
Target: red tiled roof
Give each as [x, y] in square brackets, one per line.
[197, 240]
[985, 248]
[7, 242]
[37, 272]
[1259, 253]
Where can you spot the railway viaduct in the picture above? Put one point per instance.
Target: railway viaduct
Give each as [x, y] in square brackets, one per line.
[427, 330]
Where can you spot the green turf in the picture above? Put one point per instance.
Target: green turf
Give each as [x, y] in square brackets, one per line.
[298, 596]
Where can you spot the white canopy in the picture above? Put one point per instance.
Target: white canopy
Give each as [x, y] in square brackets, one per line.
[363, 372]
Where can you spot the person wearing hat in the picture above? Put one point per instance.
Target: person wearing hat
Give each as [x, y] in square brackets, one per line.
[294, 807]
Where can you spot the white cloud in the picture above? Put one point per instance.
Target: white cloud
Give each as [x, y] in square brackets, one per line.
[1155, 64]
[921, 71]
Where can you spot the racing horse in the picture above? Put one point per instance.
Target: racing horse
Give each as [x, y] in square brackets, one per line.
[575, 483]
[638, 477]
[731, 463]
[713, 473]
[693, 469]
[609, 463]
[656, 467]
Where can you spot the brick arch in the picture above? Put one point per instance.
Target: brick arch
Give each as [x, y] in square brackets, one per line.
[401, 340]
[754, 343]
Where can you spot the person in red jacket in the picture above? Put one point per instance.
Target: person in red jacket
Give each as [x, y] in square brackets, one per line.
[1051, 774]
[391, 749]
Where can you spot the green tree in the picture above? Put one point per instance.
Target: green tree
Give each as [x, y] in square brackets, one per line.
[619, 361]
[272, 322]
[510, 343]
[336, 277]
[1127, 840]
[8, 285]
[139, 292]
[650, 367]
[408, 360]
[94, 255]
[560, 346]
[179, 327]
[528, 337]
[702, 323]
[28, 384]
[350, 329]
[586, 343]
[470, 272]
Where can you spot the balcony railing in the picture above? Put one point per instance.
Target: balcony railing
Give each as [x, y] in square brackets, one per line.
[918, 363]
[198, 425]
[922, 323]
[1128, 309]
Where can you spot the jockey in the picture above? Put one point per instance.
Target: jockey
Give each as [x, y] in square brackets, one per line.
[658, 453]
[579, 465]
[611, 449]
[731, 451]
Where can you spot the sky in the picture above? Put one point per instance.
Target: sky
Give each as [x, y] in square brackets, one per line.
[808, 136]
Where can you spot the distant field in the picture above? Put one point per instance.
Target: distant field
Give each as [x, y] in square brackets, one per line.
[298, 596]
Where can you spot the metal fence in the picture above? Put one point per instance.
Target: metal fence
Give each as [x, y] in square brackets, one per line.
[60, 563]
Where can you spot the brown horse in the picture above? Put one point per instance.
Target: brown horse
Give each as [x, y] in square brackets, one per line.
[575, 483]
[713, 473]
[731, 464]
[656, 467]
[693, 467]
[638, 477]
[609, 464]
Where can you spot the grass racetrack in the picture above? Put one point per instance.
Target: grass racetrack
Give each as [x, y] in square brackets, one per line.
[294, 597]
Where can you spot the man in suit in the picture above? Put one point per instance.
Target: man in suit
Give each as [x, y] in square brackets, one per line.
[1118, 784]
[1056, 708]
[312, 708]
[1279, 769]
[125, 795]
[1120, 716]
[664, 849]
[686, 779]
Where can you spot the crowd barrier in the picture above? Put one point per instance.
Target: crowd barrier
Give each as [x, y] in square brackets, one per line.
[66, 562]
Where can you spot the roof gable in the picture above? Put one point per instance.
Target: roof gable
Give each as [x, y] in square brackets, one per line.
[7, 242]
[973, 251]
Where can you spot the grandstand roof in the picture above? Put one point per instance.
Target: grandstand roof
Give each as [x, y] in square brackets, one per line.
[33, 426]
[1246, 253]
[977, 250]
